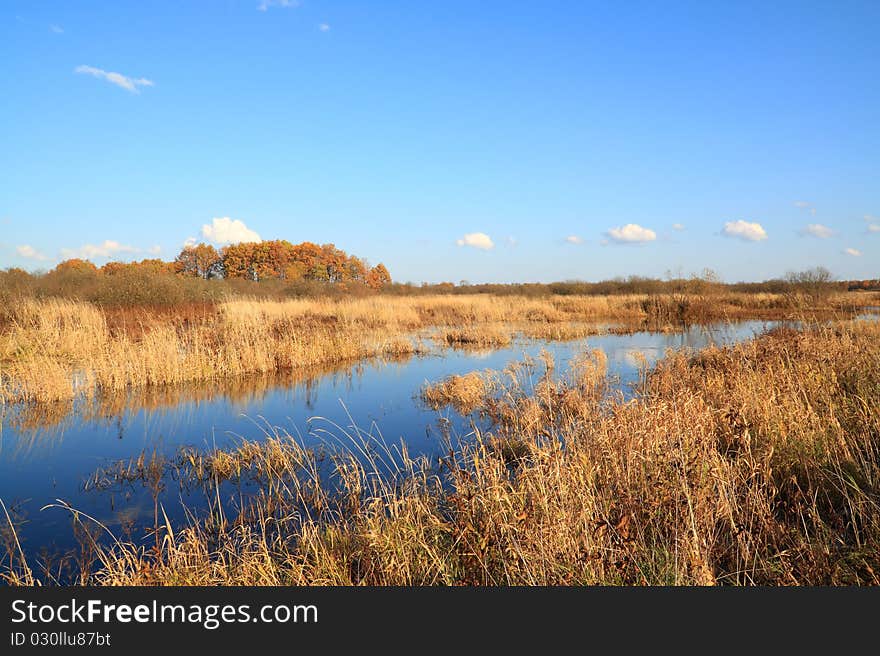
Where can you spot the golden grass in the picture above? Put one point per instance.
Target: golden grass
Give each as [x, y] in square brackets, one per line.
[563, 331]
[744, 465]
[52, 349]
[465, 393]
[479, 337]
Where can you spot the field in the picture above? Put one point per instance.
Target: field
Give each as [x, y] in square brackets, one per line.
[750, 465]
[754, 464]
[54, 349]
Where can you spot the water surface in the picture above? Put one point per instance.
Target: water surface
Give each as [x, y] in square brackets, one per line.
[47, 455]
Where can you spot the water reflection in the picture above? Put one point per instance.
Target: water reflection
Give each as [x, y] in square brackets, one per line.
[46, 452]
[171, 409]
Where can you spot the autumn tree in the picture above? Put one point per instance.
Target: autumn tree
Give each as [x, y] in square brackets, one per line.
[282, 260]
[237, 260]
[155, 266]
[151, 266]
[378, 277]
[815, 282]
[294, 271]
[333, 260]
[201, 261]
[112, 268]
[76, 266]
[307, 255]
[355, 270]
[13, 280]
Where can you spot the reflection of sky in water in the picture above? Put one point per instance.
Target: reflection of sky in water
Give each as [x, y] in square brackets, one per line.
[38, 465]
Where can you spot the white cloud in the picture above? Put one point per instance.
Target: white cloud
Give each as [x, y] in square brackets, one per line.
[56, 29]
[224, 231]
[324, 27]
[128, 83]
[190, 242]
[28, 251]
[476, 240]
[745, 230]
[804, 205]
[873, 223]
[574, 239]
[818, 230]
[632, 233]
[107, 249]
[678, 226]
[265, 5]
[853, 252]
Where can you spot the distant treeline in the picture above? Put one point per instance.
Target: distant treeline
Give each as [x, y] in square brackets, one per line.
[280, 260]
[201, 273]
[280, 270]
[813, 281]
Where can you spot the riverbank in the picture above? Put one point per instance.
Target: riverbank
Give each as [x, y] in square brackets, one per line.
[53, 350]
[755, 464]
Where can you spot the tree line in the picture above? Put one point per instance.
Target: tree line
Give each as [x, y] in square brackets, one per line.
[281, 260]
[261, 261]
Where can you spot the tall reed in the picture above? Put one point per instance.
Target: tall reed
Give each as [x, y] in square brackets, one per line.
[756, 464]
[51, 350]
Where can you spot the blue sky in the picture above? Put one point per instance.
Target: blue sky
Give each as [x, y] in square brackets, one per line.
[487, 141]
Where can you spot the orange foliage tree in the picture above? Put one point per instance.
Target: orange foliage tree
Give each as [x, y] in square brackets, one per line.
[201, 261]
[76, 265]
[154, 266]
[281, 260]
[378, 277]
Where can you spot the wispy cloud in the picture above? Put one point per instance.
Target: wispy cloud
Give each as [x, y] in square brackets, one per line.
[56, 29]
[511, 241]
[28, 251]
[266, 5]
[678, 226]
[479, 240]
[873, 223]
[324, 27]
[154, 250]
[632, 233]
[128, 83]
[744, 230]
[853, 252]
[818, 230]
[574, 239]
[228, 231]
[108, 248]
[805, 205]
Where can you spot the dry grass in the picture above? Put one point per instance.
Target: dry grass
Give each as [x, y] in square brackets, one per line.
[54, 349]
[564, 331]
[51, 350]
[479, 337]
[744, 465]
[465, 393]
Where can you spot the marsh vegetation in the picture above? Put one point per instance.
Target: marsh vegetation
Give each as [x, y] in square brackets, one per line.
[749, 464]
[745, 463]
